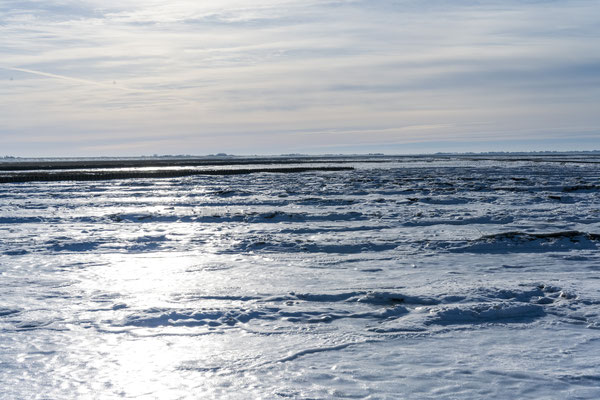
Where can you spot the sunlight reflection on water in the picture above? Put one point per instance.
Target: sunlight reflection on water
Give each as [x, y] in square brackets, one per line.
[306, 286]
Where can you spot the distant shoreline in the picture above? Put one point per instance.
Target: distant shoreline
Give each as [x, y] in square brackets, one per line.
[9, 164]
[81, 163]
[46, 176]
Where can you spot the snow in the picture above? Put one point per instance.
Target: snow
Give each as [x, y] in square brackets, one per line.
[417, 278]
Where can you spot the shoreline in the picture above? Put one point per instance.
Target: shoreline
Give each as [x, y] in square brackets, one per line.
[45, 176]
[176, 162]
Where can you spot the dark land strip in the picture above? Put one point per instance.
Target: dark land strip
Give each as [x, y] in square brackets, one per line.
[45, 176]
[170, 162]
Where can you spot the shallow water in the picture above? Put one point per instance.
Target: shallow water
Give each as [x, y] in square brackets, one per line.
[424, 279]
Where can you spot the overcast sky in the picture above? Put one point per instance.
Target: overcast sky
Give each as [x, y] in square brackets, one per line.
[105, 77]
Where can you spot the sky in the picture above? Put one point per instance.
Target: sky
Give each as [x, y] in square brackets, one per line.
[142, 77]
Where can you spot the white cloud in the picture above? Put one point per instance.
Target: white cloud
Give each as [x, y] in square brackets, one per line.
[195, 74]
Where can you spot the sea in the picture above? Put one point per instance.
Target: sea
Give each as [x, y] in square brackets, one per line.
[421, 277]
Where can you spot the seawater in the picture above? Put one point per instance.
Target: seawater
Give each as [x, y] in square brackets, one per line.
[414, 278]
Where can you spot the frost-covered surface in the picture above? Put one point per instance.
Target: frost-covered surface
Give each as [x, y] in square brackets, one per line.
[418, 278]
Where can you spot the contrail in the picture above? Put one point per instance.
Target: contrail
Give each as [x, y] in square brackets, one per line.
[78, 80]
[101, 84]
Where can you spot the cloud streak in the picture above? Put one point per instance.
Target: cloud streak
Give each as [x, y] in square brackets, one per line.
[68, 78]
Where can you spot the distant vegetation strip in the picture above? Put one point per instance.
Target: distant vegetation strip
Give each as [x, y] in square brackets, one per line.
[111, 175]
[169, 162]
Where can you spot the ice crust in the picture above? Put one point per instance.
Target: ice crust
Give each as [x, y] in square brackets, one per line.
[416, 278]
[483, 305]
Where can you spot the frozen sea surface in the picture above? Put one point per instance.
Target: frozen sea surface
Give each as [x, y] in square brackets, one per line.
[415, 278]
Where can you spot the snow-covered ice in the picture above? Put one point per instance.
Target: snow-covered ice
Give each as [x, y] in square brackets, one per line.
[415, 278]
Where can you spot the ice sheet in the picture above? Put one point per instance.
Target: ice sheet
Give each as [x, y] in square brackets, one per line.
[422, 278]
